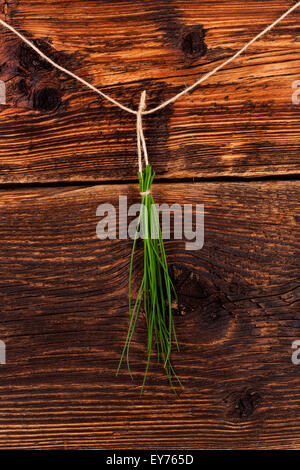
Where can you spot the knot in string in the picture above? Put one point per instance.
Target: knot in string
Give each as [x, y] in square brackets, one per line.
[145, 193]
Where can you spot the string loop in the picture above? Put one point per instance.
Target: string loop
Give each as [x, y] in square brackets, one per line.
[141, 142]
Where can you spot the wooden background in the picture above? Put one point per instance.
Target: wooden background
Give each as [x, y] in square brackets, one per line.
[233, 145]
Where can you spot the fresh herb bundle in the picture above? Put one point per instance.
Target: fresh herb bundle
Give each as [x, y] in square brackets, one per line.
[156, 288]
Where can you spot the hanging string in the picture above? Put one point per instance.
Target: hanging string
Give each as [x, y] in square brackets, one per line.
[167, 102]
[141, 143]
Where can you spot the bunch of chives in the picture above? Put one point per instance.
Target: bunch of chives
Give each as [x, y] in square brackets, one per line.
[156, 288]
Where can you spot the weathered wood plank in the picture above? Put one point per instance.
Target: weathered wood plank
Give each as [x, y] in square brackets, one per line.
[64, 319]
[242, 122]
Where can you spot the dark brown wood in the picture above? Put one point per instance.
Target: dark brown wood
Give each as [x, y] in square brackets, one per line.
[63, 292]
[241, 122]
[64, 318]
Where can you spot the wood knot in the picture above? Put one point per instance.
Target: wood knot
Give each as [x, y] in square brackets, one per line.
[46, 99]
[242, 405]
[32, 82]
[204, 309]
[193, 42]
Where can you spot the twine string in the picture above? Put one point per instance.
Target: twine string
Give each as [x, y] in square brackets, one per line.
[141, 143]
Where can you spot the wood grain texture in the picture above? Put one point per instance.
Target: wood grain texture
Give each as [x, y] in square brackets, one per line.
[64, 319]
[241, 122]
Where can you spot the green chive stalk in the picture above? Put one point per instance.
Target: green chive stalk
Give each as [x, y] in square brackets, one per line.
[156, 289]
